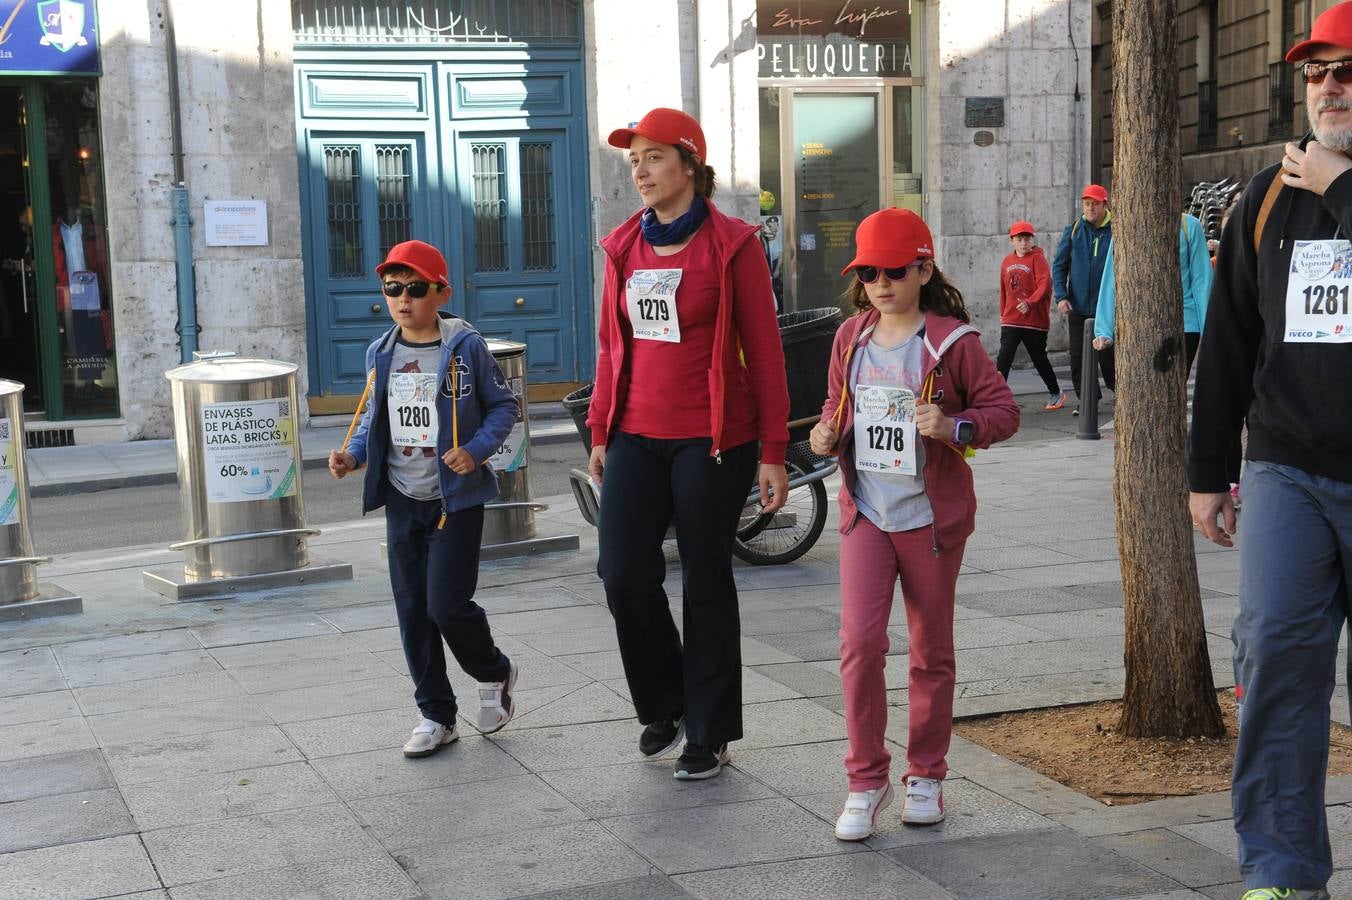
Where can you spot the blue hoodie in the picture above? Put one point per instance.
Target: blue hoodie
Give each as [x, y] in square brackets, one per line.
[486, 410]
[1078, 265]
[1194, 265]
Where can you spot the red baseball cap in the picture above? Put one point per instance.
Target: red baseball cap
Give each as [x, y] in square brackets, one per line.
[1095, 192]
[1021, 227]
[1331, 28]
[419, 256]
[666, 126]
[889, 239]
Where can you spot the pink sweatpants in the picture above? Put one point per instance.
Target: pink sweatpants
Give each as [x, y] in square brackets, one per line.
[870, 563]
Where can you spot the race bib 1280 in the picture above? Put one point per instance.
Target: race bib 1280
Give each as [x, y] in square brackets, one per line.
[1319, 293]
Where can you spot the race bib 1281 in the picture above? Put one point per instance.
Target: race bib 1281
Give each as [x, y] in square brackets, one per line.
[1319, 293]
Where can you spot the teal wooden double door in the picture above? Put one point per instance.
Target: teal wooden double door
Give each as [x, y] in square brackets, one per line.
[487, 162]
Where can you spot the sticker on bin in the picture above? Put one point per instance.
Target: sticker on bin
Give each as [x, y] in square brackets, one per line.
[9, 478]
[512, 453]
[249, 451]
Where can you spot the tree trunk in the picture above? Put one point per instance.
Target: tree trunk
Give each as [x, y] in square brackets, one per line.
[1169, 690]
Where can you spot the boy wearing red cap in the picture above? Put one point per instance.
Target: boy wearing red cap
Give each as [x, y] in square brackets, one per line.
[439, 407]
[909, 391]
[1025, 309]
[1276, 356]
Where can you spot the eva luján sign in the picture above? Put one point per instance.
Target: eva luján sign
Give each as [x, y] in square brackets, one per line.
[833, 39]
[49, 37]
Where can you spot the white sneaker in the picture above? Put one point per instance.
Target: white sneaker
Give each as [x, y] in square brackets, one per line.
[496, 706]
[860, 815]
[428, 737]
[924, 801]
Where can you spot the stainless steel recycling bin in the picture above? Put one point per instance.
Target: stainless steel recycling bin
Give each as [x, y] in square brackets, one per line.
[18, 575]
[511, 517]
[239, 468]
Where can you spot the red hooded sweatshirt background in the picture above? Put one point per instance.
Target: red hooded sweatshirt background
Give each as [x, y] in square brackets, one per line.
[1027, 278]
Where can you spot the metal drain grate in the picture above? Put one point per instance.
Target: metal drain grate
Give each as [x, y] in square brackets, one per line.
[50, 437]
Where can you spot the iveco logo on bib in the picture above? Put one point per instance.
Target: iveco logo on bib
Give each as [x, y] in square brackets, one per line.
[1312, 260]
[1297, 333]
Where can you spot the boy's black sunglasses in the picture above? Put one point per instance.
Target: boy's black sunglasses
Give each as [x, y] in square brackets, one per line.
[869, 274]
[416, 289]
[1315, 72]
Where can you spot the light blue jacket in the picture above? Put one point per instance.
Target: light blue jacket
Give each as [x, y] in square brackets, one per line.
[1194, 263]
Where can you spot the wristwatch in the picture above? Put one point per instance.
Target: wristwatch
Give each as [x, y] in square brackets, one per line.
[964, 432]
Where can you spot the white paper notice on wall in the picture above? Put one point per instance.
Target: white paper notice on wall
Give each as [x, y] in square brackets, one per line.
[236, 223]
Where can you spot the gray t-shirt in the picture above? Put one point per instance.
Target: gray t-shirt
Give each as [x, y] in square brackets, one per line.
[410, 403]
[893, 502]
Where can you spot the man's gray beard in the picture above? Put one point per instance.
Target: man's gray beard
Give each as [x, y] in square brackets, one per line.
[1339, 139]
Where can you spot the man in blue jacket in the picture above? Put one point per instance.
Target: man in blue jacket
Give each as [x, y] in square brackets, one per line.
[1077, 271]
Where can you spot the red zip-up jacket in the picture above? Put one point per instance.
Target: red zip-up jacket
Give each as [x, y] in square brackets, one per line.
[966, 385]
[1027, 278]
[747, 331]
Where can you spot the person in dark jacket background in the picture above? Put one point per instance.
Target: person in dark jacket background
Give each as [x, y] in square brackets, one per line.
[1277, 353]
[1077, 271]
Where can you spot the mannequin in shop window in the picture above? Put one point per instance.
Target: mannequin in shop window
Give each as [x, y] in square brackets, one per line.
[78, 251]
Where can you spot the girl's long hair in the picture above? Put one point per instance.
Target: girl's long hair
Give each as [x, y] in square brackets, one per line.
[938, 295]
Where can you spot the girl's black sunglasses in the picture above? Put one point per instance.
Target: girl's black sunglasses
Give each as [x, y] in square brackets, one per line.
[416, 289]
[869, 274]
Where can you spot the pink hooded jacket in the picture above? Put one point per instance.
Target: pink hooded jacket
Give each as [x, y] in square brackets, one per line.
[960, 377]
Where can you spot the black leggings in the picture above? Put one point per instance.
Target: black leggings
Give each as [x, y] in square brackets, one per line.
[1035, 342]
[647, 481]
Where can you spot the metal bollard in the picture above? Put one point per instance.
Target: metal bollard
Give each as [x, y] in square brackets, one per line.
[21, 597]
[1089, 430]
[239, 475]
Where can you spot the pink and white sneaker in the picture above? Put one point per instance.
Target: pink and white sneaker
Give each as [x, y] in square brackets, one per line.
[924, 801]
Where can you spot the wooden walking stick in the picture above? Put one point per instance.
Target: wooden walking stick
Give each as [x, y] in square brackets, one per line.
[361, 405]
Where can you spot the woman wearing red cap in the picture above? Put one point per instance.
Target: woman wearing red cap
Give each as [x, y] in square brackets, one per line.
[906, 501]
[689, 376]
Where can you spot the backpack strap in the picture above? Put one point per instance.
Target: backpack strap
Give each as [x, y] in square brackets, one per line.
[1265, 210]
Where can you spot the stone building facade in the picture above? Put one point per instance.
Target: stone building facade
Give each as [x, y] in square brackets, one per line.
[481, 126]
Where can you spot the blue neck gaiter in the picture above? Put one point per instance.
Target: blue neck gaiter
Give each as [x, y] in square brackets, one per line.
[678, 229]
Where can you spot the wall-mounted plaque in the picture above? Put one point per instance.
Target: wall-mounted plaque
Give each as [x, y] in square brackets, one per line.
[983, 139]
[985, 112]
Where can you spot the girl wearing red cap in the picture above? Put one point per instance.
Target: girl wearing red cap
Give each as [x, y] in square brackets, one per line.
[906, 502]
[689, 377]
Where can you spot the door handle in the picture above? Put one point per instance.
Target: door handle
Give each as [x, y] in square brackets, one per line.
[520, 301]
[375, 307]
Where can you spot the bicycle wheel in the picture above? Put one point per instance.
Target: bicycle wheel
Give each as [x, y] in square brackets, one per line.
[782, 537]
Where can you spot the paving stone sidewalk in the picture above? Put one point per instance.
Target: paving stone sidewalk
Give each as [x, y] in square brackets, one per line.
[250, 747]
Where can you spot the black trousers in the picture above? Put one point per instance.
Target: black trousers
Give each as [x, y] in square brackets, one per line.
[646, 482]
[434, 572]
[1075, 321]
[1035, 342]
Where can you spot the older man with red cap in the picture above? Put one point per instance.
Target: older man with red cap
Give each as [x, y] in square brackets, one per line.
[1077, 271]
[1277, 353]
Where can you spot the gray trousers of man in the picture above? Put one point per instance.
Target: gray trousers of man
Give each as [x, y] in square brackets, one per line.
[1295, 568]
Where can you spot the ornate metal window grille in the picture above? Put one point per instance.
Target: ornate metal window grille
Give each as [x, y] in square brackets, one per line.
[342, 184]
[1281, 101]
[437, 22]
[1206, 114]
[488, 194]
[393, 173]
[537, 205]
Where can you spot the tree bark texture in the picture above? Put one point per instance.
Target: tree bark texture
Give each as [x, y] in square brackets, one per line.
[1169, 689]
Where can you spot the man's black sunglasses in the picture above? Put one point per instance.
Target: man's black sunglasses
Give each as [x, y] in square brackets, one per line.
[416, 289]
[1315, 72]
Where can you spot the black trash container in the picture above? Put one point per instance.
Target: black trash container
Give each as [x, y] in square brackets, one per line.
[577, 403]
[807, 335]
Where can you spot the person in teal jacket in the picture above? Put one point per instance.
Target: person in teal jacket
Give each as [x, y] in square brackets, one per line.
[1194, 263]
